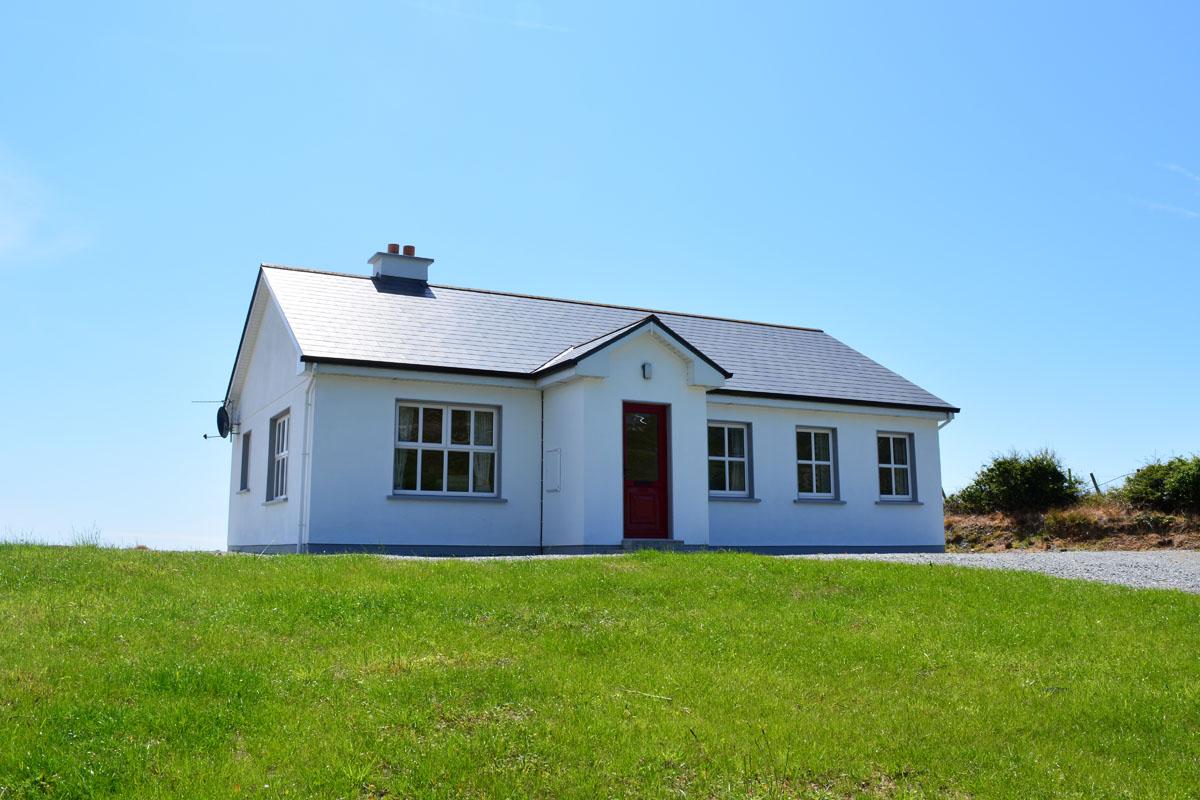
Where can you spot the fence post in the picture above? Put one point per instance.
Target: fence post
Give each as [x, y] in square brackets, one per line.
[1093, 476]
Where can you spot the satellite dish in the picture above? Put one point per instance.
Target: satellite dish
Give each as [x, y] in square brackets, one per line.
[222, 422]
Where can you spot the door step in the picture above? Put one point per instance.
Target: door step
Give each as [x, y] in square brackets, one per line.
[651, 544]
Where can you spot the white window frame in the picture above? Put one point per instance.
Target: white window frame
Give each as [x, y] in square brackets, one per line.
[725, 459]
[445, 447]
[277, 459]
[894, 467]
[815, 462]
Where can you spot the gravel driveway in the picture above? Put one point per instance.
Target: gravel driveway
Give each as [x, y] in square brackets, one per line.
[1162, 569]
[1176, 569]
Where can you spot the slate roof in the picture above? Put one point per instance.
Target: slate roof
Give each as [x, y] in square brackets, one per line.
[583, 349]
[575, 354]
[389, 322]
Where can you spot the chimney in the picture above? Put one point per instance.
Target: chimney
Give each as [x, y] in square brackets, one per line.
[394, 265]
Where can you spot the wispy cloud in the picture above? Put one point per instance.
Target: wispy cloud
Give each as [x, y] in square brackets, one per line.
[1183, 171]
[527, 15]
[1167, 208]
[29, 230]
[539, 26]
[1182, 212]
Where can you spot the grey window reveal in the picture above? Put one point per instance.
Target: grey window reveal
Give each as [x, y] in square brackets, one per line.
[442, 449]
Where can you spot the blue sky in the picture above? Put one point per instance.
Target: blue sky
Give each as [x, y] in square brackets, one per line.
[1000, 203]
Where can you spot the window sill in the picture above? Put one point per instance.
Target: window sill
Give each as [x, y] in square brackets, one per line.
[242, 491]
[274, 502]
[818, 501]
[449, 498]
[899, 503]
[717, 498]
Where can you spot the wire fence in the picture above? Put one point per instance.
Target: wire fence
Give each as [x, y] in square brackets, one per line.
[1114, 480]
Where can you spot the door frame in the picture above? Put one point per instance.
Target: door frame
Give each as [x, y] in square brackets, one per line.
[664, 460]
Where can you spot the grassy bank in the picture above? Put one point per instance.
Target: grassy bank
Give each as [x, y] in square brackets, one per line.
[146, 674]
[1095, 523]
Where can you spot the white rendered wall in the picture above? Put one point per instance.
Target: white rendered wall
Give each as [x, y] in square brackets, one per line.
[584, 420]
[565, 430]
[271, 386]
[353, 448]
[777, 521]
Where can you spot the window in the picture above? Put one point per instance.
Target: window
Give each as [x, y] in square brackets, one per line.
[445, 450]
[814, 463]
[728, 468]
[895, 467]
[277, 463]
[244, 483]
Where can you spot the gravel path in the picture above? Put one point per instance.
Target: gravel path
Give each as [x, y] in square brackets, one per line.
[1176, 569]
[1163, 569]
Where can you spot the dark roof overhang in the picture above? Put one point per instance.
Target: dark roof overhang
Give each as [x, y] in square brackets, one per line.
[649, 319]
[841, 401]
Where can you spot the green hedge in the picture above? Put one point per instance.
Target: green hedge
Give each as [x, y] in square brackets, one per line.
[1019, 483]
[1173, 486]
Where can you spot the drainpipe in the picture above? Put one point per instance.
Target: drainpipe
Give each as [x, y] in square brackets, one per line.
[542, 476]
[306, 461]
[949, 419]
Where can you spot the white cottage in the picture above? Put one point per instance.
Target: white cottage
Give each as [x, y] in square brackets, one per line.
[384, 413]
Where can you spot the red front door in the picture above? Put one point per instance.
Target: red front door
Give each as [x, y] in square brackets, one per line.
[645, 446]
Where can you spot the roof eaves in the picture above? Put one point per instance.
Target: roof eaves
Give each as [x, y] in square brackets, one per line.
[583, 348]
[848, 401]
[267, 265]
[258, 280]
[407, 366]
[621, 333]
[694, 350]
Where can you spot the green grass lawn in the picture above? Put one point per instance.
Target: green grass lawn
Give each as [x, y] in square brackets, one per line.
[145, 674]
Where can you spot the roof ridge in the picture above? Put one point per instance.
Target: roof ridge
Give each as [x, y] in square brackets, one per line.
[560, 300]
[317, 271]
